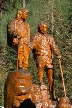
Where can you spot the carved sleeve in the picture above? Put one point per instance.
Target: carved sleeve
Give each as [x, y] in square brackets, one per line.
[11, 28]
[33, 41]
[54, 48]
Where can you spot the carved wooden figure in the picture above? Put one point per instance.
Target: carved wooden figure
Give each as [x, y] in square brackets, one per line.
[19, 90]
[64, 102]
[19, 29]
[44, 45]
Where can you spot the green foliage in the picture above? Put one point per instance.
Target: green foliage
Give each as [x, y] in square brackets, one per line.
[61, 23]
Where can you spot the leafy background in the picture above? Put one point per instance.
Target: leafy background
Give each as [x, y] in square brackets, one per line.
[58, 15]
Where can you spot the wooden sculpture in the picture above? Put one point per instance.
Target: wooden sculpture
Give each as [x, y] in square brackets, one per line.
[44, 45]
[19, 90]
[19, 29]
[64, 102]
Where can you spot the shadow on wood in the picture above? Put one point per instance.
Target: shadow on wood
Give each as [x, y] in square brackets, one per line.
[27, 103]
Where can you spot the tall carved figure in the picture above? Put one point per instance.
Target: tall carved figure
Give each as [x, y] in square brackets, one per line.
[19, 29]
[44, 45]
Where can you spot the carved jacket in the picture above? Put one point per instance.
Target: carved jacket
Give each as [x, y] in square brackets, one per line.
[44, 45]
[20, 30]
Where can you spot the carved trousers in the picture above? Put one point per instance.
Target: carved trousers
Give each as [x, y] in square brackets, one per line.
[23, 55]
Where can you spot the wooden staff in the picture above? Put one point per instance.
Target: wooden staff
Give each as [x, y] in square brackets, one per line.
[62, 77]
[17, 61]
[17, 55]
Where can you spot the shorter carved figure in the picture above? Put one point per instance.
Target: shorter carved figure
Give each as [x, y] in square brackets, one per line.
[19, 29]
[44, 45]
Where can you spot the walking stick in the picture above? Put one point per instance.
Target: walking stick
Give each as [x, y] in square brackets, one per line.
[62, 77]
[17, 56]
[15, 41]
[17, 62]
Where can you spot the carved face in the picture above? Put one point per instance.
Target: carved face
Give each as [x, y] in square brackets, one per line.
[18, 87]
[64, 102]
[43, 27]
[25, 14]
[22, 13]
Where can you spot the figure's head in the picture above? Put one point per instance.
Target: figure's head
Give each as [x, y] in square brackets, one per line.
[42, 27]
[22, 13]
[64, 102]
